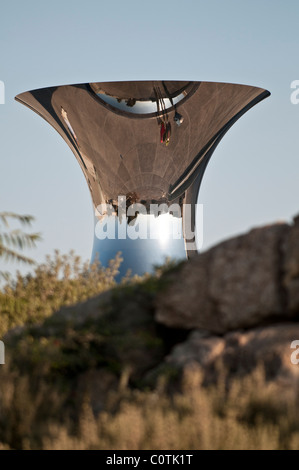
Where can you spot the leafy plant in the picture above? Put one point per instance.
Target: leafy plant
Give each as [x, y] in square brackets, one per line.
[62, 280]
[12, 241]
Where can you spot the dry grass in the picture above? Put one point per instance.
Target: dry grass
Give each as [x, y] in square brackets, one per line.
[253, 414]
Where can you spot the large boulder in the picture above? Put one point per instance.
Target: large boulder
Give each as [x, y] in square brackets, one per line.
[236, 284]
[240, 352]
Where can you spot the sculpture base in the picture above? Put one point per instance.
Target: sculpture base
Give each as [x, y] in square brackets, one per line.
[162, 239]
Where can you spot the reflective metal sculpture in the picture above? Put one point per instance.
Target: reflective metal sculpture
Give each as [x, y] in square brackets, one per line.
[143, 148]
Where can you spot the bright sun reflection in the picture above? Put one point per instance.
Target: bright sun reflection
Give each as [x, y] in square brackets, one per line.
[163, 224]
[164, 228]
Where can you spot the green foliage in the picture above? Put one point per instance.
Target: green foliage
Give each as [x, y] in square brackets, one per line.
[14, 240]
[62, 280]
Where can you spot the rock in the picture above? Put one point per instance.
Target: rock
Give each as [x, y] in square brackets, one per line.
[198, 348]
[236, 284]
[239, 353]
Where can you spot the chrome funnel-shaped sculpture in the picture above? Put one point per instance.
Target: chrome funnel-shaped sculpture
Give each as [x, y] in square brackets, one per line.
[143, 148]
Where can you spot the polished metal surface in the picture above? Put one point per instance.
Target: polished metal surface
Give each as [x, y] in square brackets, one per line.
[148, 142]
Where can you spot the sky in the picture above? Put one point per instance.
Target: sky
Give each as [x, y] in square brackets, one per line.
[252, 178]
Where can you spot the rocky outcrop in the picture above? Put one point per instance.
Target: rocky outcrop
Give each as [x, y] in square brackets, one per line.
[246, 281]
[241, 301]
[240, 352]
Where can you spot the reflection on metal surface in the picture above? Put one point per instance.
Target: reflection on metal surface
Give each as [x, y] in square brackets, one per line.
[146, 143]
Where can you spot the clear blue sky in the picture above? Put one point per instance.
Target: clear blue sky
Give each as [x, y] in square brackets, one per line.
[252, 178]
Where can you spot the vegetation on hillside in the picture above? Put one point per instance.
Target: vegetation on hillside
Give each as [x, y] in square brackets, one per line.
[90, 376]
[61, 280]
